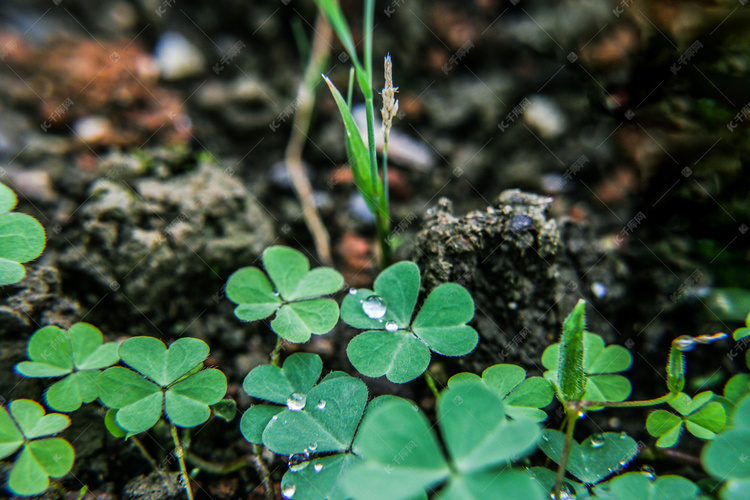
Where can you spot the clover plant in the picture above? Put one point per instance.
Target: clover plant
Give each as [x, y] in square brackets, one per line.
[393, 344]
[77, 355]
[402, 459]
[24, 426]
[645, 486]
[702, 417]
[161, 381]
[726, 457]
[293, 294]
[22, 239]
[523, 397]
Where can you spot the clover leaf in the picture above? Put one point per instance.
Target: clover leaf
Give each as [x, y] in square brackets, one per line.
[167, 381]
[78, 355]
[41, 457]
[597, 457]
[600, 365]
[702, 417]
[523, 397]
[645, 487]
[726, 457]
[396, 346]
[292, 294]
[402, 457]
[741, 333]
[22, 239]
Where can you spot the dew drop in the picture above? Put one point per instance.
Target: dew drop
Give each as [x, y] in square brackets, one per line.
[597, 440]
[275, 293]
[288, 491]
[299, 461]
[374, 307]
[318, 467]
[567, 492]
[275, 417]
[321, 404]
[391, 326]
[649, 472]
[352, 291]
[312, 447]
[545, 437]
[623, 435]
[296, 401]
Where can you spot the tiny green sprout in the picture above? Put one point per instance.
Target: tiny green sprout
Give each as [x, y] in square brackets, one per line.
[24, 426]
[161, 381]
[702, 417]
[523, 397]
[596, 458]
[645, 485]
[396, 346]
[600, 363]
[402, 458]
[22, 239]
[77, 354]
[726, 457]
[293, 294]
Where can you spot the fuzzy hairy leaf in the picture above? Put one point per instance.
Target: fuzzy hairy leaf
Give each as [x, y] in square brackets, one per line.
[571, 379]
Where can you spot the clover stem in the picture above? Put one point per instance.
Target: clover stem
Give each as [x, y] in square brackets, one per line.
[138, 444]
[572, 416]
[630, 404]
[276, 352]
[431, 384]
[256, 459]
[181, 459]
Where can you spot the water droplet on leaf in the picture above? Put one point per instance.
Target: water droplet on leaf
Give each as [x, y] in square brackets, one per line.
[299, 461]
[318, 467]
[288, 491]
[597, 440]
[391, 326]
[567, 492]
[296, 401]
[649, 472]
[352, 291]
[313, 447]
[321, 404]
[374, 307]
[275, 293]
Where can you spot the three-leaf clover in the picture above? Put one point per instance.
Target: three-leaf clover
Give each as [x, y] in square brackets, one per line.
[292, 294]
[168, 381]
[726, 457]
[78, 355]
[600, 365]
[305, 421]
[22, 238]
[396, 346]
[702, 417]
[41, 457]
[523, 397]
[643, 486]
[402, 457]
[597, 457]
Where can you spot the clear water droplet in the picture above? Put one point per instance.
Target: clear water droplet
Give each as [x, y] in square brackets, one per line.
[624, 463]
[597, 440]
[374, 307]
[299, 461]
[318, 467]
[321, 404]
[296, 402]
[380, 321]
[288, 491]
[545, 437]
[312, 447]
[649, 472]
[391, 326]
[623, 435]
[274, 418]
[352, 291]
[567, 492]
[275, 293]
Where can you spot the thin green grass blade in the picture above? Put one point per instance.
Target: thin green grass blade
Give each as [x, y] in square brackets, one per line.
[571, 376]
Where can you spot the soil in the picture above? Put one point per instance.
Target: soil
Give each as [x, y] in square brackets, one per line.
[544, 153]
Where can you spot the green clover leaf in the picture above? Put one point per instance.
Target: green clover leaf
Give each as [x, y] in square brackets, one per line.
[600, 364]
[167, 381]
[39, 459]
[741, 333]
[396, 346]
[643, 487]
[726, 457]
[523, 397]
[702, 417]
[77, 354]
[402, 457]
[22, 239]
[597, 457]
[299, 311]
